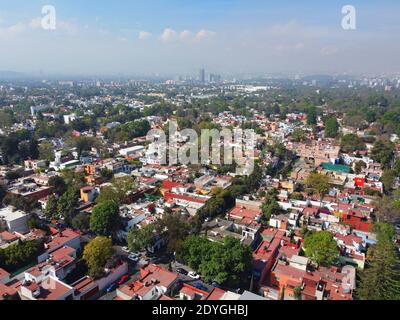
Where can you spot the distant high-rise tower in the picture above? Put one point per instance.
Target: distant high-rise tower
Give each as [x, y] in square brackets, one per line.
[202, 76]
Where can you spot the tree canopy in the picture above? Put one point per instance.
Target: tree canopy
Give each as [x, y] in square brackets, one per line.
[96, 255]
[331, 127]
[226, 264]
[381, 277]
[321, 248]
[351, 143]
[105, 219]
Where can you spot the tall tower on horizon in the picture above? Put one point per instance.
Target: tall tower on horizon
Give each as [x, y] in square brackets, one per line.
[202, 77]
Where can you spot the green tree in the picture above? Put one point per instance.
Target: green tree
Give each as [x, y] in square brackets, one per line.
[96, 255]
[270, 206]
[119, 191]
[396, 168]
[81, 222]
[106, 174]
[3, 192]
[21, 203]
[358, 167]
[226, 263]
[82, 144]
[321, 248]
[105, 219]
[387, 179]
[51, 211]
[331, 127]
[381, 277]
[142, 239]
[174, 230]
[299, 135]
[297, 293]
[46, 151]
[67, 204]
[59, 187]
[386, 210]
[351, 143]
[383, 152]
[319, 183]
[20, 254]
[312, 116]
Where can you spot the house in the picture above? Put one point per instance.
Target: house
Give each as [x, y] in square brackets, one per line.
[15, 220]
[218, 294]
[49, 288]
[280, 222]
[88, 194]
[267, 252]
[112, 274]
[189, 292]
[65, 238]
[132, 152]
[154, 282]
[246, 214]
[7, 238]
[85, 289]
[357, 221]
[59, 264]
[322, 284]
[9, 291]
[35, 164]
[4, 276]
[191, 202]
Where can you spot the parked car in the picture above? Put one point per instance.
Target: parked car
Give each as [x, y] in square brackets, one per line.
[123, 279]
[112, 287]
[182, 271]
[133, 258]
[125, 249]
[193, 275]
[200, 286]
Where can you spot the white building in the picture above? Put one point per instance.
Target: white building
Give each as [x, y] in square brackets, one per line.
[132, 151]
[16, 220]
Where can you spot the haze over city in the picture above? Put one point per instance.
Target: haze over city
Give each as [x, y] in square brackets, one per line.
[180, 37]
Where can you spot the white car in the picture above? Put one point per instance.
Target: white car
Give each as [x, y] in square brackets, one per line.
[193, 275]
[133, 257]
[125, 249]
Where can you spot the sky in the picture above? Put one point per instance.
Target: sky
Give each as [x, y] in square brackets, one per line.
[99, 37]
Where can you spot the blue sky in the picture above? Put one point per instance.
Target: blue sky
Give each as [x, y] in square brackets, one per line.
[180, 36]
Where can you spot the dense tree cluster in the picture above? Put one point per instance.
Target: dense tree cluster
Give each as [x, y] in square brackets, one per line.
[20, 254]
[226, 264]
[321, 248]
[381, 277]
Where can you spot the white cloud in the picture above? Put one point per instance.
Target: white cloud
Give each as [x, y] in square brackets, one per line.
[186, 35]
[13, 30]
[329, 50]
[204, 34]
[144, 35]
[36, 23]
[168, 35]
[67, 27]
